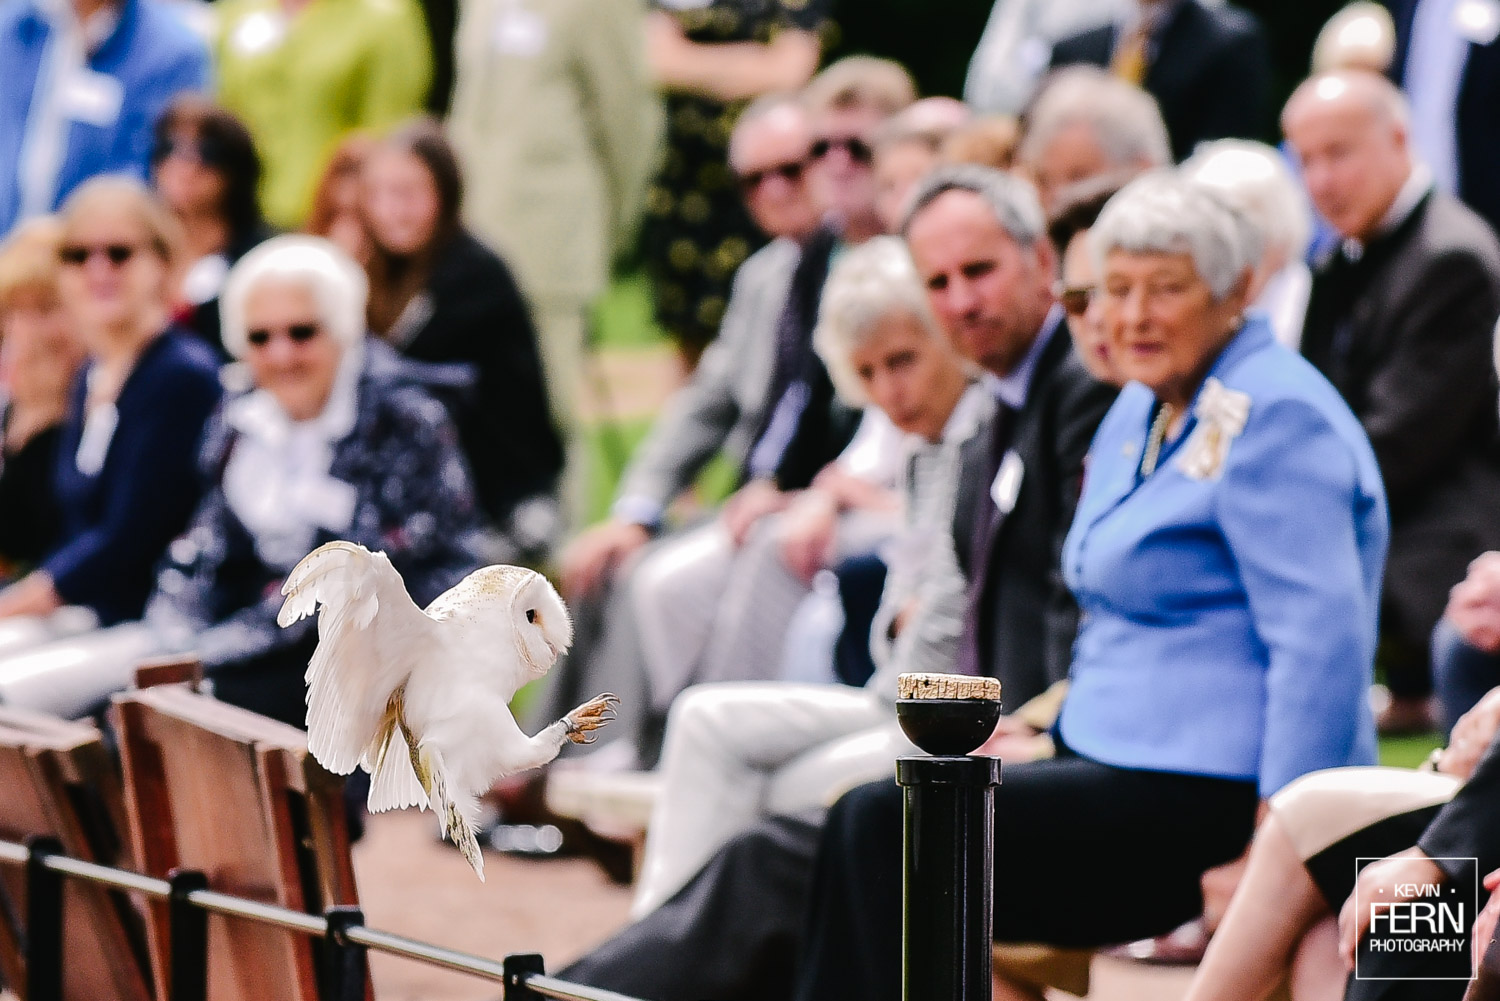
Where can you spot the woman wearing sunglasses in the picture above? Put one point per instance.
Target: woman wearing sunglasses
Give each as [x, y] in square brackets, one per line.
[125, 476]
[205, 168]
[334, 439]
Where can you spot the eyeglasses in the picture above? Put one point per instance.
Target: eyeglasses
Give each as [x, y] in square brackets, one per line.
[76, 255]
[1074, 298]
[790, 172]
[297, 333]
[204, 152]
[859, 151]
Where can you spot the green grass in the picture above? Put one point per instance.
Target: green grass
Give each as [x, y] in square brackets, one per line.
[1408, 752]
[622, 318]
[623, 322]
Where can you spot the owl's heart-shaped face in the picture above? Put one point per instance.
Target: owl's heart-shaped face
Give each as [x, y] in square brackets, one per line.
[542, 627]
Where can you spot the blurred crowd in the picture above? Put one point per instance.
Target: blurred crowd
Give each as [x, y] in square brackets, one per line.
[1148, 367]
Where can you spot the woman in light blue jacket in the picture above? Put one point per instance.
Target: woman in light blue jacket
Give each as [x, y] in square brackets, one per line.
[1226, 556]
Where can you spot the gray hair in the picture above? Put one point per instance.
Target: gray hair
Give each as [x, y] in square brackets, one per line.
[1165, 213]
[1125, 120]
[1253, 178]
[1012, 200]
[868, 285]
[337, 284]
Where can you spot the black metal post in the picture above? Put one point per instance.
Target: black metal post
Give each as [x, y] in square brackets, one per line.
[949, 878]
[344, 962]
[517, 969]
[44, 922]
[187, 938]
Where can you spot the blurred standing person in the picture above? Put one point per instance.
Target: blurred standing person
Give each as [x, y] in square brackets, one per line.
[1401, 320]
[439, 295]
[335, 209]
[126, 471]
[1085, 124]
[205, 169]
[553, 108]
[1207, 64]
[1017, 43]
[39, 355]
[83, 84]
[302, 74]
[709, 57]
[1448, 61]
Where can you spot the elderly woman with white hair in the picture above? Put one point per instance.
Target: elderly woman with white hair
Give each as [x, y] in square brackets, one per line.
[735, 752]
[1256, 182]
[1226, 556]
[334, 438]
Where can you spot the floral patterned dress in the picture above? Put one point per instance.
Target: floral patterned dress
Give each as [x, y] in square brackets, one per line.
[697, 231]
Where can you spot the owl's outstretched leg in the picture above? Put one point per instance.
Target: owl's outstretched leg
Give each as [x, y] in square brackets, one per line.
[452, 823]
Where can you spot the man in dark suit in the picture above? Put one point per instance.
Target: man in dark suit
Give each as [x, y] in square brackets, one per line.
[1208, 66]
[1456, 130]
[979, 242]
[1401, 319]
[974, 237]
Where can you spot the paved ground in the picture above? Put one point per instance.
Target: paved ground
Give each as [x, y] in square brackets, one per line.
[412, 885]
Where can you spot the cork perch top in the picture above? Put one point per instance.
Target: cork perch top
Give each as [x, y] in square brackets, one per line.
[947, 686]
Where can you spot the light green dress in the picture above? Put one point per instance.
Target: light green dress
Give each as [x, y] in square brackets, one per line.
[302, 82]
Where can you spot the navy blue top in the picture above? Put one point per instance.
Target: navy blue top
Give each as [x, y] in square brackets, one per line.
[1229, 611]
[117, 523]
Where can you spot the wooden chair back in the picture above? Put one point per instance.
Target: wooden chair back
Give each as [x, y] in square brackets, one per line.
[215, 788]
[59, 781]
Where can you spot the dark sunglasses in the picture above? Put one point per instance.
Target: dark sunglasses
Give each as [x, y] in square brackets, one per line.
[75, 255]
[204, 152]
[790, 172]
[859, 151]
[1075, 299]
[299, 333]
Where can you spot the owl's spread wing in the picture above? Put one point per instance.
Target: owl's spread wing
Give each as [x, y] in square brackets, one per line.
[369, 635]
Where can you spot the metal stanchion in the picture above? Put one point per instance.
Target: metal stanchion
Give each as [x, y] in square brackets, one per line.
[187, 938]
[44, 923]
[949, 878]
[344, 962]
[517, 969]
[948, 838]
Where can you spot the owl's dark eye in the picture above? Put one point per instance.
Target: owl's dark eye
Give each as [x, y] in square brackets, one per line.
[531, 615]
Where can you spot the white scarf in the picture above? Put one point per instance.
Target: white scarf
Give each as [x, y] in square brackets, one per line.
[277, 480]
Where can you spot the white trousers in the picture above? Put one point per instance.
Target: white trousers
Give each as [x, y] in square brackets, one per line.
[737, 752]
[708, 612]
[69, 677]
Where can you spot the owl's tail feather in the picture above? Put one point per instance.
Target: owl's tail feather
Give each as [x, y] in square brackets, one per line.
[453, 816]
[392, 763]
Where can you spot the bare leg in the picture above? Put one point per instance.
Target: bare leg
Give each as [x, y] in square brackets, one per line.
[1276, 904]
[1318, 974]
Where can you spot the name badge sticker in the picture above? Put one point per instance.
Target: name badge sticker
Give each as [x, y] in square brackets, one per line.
[520, 32]
[1478, 20]
[1007, 485]
[92, 98]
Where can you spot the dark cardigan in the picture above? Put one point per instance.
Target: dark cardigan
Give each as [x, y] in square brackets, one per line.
[116, 523]
[472, 312]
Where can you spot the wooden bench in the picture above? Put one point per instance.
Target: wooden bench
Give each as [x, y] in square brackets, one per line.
[59, 781]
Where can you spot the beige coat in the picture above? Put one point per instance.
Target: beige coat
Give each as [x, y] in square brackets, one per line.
[559, 130]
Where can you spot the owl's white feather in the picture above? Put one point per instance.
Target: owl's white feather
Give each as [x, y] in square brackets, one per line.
[422, 697]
